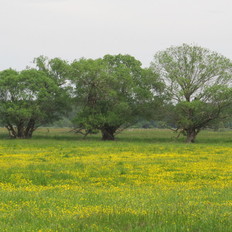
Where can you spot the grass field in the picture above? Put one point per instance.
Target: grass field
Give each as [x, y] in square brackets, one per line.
[144, 181]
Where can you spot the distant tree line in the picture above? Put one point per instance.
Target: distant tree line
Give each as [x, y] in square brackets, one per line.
[187, 87]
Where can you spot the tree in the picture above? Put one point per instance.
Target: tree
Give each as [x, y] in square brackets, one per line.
[111, 92]
[198, 83]
[28, 99]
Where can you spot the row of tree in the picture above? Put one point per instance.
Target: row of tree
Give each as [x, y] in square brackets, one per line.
[188, 87]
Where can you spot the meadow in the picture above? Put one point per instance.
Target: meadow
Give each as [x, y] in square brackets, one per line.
[144, 181]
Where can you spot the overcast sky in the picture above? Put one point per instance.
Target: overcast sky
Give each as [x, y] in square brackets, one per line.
[71, 29]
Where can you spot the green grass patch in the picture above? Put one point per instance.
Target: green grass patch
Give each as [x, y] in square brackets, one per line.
[146, 180]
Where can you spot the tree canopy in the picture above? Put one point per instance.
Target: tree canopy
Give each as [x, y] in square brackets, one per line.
[112, 92]
[198, 83]
[28, 99]
[188, 86]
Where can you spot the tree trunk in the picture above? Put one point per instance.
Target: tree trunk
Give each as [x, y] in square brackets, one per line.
[191, 135]
[30, 128]
[20, 131]
[11, 130]
[108, 133]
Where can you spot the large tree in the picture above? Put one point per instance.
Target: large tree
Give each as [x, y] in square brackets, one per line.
[29, 99]
[198, 82]
[111, 92]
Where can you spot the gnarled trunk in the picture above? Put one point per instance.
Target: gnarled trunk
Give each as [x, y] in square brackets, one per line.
[30, 128]
[20, 130]
[12, 131]
[108, 132]
[191, 135]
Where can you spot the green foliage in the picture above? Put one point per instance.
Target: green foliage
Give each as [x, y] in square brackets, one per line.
[187, 87]
[198, 85]
[28, 99]
[56, 68]
[113, 92]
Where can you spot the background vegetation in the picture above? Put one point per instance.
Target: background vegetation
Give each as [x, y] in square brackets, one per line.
[186, 88]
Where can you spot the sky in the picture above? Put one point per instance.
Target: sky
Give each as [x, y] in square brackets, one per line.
[71, 29]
